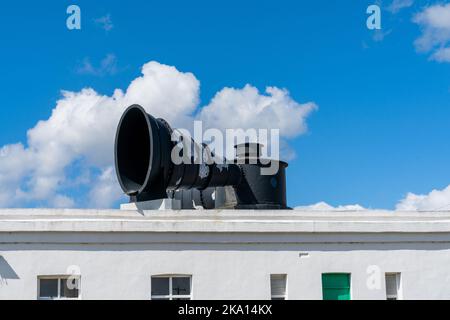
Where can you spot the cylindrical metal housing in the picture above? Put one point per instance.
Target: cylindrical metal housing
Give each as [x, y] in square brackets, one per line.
[144, 167]
[261, 187]
[145, 148]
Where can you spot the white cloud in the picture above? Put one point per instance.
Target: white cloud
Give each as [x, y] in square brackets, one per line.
[441, 55]
[68, 158]
[61, 201]
[379, 35]
[247, 108]
[323, 206]
[434, 22]
[166, 92]
[108, 66]
[397, 5]
[104, 191]
[435, 200]
[105, 22]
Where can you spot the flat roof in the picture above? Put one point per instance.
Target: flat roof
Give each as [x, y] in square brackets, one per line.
[227, 221]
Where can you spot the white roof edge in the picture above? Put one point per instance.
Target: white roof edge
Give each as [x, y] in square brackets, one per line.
[242, 221]
[57, 211]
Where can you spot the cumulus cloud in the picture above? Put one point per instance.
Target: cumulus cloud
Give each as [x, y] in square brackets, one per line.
[105, 22]
[441, 55]
[398, 5]
[108, 66]
[323, 206]
[251, 109]
[379, 35]
[61, 201]
[247, 108]
[434, 201]
[104, 191]
[68, 158]
[434, 22]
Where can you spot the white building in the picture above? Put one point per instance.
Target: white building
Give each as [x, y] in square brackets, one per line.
[228, 254]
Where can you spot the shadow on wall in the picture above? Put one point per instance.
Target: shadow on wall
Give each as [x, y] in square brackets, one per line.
[6, 271]
[243, 242]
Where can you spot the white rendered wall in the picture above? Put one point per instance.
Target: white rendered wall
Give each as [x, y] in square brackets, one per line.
[118, 264]
[226, 271]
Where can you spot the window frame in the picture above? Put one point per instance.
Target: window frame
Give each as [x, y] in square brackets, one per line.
[326, 288]
[59, 279]
[172, 296]
[398, 277]
[279, 296]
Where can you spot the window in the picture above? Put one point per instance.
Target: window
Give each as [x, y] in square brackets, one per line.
[278, 286]
[336, 286]
[171, 288]
[392, 286]
[52, 288]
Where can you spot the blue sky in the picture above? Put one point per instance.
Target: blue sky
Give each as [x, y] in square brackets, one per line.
[383, 124]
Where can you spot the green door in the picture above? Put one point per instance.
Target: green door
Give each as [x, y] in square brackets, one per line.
[336, 286]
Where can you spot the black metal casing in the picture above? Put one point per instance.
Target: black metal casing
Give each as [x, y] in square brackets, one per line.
[145, 171]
